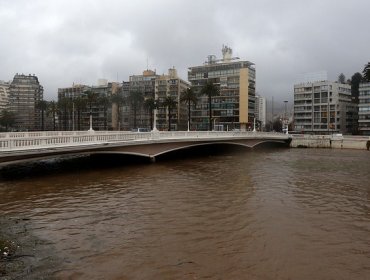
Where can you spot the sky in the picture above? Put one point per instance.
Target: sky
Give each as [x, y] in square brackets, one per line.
[80, 41]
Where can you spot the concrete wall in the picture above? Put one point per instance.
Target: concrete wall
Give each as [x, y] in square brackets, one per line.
[329, 141]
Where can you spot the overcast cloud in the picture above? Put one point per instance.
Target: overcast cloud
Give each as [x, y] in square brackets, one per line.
[80, 41]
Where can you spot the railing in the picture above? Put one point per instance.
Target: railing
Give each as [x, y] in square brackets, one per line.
[48, 139]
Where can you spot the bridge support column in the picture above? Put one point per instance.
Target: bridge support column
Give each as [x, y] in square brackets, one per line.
[152, 159]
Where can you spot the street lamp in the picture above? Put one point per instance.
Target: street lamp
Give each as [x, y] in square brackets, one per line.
[285, 117]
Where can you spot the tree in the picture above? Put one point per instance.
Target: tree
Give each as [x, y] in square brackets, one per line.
[150, 104]
[342, 78]
[188, 96]
[53, 111]
[118, 100]
[170, 103]
[80, 104]
[42, 106]
[7, 119]
[355, 84]
[104, 101]
[91, 99]
[277, 125]
[210, 90]
[64, 106]
[366, 72]
[135, 99]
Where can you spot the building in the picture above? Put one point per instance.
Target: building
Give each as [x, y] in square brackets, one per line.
[150, 85]
[364, 109]
[4, 95]
[234, 108]
[74, 106]
[260, 112]
[25, 92]
[323, 107]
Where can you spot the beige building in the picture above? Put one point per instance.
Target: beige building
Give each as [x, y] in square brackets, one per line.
[234, 108]
[25, 92]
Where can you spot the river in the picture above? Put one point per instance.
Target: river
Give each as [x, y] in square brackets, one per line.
[263, 214]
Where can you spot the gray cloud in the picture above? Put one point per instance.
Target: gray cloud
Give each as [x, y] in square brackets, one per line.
[80, 41]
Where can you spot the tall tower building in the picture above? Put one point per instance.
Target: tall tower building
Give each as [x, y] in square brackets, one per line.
[4, 95]
[261, 110]
[234, 108]
[364, 109]
[24, 93]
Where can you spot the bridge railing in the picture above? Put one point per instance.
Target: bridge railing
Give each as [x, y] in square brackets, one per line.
[48, 139]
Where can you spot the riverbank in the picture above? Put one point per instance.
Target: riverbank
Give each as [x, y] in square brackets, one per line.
[330, 141]
[23, 255]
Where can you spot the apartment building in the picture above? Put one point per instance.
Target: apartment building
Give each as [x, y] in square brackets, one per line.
[4, 95]
[25, 92]
[75, 106]
[364, 109]
[234, 108]
[323, 107]
[260, 112]
[150, 85]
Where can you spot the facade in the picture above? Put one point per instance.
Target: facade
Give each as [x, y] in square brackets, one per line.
[75, 107]
[260, 112]
[150, 85]
[364, 109]
[234, 108]
[25, 92]
[323, 107]
[4, 95]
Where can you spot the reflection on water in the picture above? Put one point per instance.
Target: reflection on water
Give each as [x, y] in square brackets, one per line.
[276, 214]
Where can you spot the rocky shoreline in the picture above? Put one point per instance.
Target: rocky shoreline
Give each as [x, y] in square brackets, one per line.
[22, 254]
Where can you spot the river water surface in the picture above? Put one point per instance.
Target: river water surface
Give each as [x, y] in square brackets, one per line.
[265, 214]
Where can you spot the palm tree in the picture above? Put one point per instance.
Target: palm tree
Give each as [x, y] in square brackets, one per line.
[64, 105]
[52, 110]
[188, 96]
[135, 99]
[170, 103]
[366, 72]
[80, 105]
[150, 104]
[42, 105]
[91, 99]
[104, 101]
[7, 119]
[210, 90]
[118, 100]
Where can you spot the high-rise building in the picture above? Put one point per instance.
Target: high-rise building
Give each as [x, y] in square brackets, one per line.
[4, 95]
[75, 106]
[150, 85]
[234, 107]
[24, 94]
[323, 107]
[364, 109]
[260, 112]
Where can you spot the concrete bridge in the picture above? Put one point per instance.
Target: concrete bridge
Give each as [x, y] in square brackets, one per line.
[25, 146]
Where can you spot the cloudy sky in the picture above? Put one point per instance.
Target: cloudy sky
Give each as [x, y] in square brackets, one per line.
[80, 41]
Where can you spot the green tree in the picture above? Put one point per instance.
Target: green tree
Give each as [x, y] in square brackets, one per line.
[135, 99]
[118, 100]
[188, 96]
[65, 106]
[104, 101]
[170, 103]
[7, 119]
[210, 90]
[366, 72]
[80, 105]
[342, 78]
[52, 110]
[150, 104]
[355, 84]
[92, 97]
[42, 106]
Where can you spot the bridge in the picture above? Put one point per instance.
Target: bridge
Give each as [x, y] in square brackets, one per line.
[16, 147]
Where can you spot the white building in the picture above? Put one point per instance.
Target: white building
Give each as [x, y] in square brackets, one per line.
[260, 112]
[323, 107]
[4, 95]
